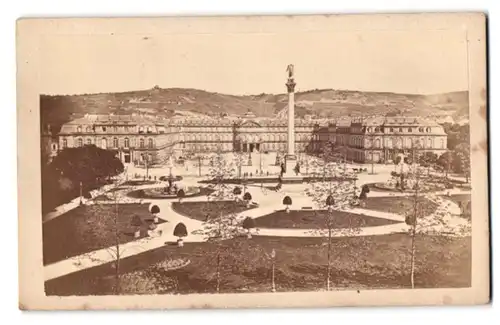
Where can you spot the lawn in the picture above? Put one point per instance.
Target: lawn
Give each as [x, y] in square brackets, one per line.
[90, 227]
[307, 219]
[149, 194]
[200, 210]
[399, 205]
[357, 263]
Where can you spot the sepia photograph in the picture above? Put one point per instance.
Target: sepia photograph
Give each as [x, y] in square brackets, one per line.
[253, 161]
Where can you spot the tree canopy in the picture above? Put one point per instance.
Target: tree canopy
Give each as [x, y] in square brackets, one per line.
[247, 196]
[88, 164]
[287, 200]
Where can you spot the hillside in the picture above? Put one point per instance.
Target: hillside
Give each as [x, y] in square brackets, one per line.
[317, 102]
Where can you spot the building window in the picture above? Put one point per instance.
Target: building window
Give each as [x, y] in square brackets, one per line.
[420, 129]
[150, 143]
[54, 146]
[410, 130]
[115, 129]
[377, 143]
[126, 143]
[400, 129]
[88, 129]
[442, 143]
[141, 129]
[141, 143]
[369, 129]
[150, 130]
[104, 143]
[89, 141]
[64, 143]
[391, 129]
[115, 142]
[428, 130]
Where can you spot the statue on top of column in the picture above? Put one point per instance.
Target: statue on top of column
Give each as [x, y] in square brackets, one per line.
[289, 69]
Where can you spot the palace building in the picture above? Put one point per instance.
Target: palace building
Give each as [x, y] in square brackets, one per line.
[141, 138]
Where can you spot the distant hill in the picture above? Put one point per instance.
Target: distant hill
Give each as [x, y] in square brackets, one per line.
[317, 103]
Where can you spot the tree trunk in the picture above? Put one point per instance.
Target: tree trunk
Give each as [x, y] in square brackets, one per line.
[117, 271]
[412, 264]
[328, 267]
[218, 273]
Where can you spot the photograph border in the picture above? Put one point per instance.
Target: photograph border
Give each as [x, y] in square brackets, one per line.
[31, 33]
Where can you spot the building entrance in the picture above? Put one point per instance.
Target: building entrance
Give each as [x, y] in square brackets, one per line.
[251, 147]
[126, 157]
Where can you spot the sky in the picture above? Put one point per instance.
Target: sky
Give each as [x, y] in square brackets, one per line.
[424, 62]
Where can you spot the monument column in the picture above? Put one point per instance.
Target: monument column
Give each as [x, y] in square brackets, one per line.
[291, 116]
[290, 158]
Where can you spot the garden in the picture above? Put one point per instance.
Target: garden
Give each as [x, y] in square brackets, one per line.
[162, 193]
[399, 204]
[300, 264]
[92, 227]
[203, 210]
[311, 219]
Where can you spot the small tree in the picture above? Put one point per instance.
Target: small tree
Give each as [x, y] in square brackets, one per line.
[136, 223]
[154, 211]
[287, 201]
[248, 198]
[397, 160]
[434, 224]
[236, 192]
[181, 194]
[180, 231]
[364, 194]
[248, 224]
[332, 187]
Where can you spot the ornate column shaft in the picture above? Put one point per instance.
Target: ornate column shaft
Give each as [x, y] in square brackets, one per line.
[291, 117]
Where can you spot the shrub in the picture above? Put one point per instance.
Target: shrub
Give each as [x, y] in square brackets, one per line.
[237, 190]
[449, 186]
[155, 209]
[248, 223]
[247, 196]
[394, 174]
[287, 200]
[180, 230]
[140, 193]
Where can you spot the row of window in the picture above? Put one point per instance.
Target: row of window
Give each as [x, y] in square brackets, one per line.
[400, 130]
[115, 143]
[116, 129]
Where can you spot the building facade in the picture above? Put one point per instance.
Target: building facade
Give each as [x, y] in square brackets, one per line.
[141, 139]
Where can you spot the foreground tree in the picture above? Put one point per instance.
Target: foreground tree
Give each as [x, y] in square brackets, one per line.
[436, 223]
[107, 226]
[223, 223]
[332, 189]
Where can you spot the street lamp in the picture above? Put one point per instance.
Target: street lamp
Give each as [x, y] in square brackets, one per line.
[273, 257]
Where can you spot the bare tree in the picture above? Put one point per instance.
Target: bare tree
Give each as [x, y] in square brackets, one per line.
[105, 225]
[222, 224]
[439, 222]
[332, 189]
